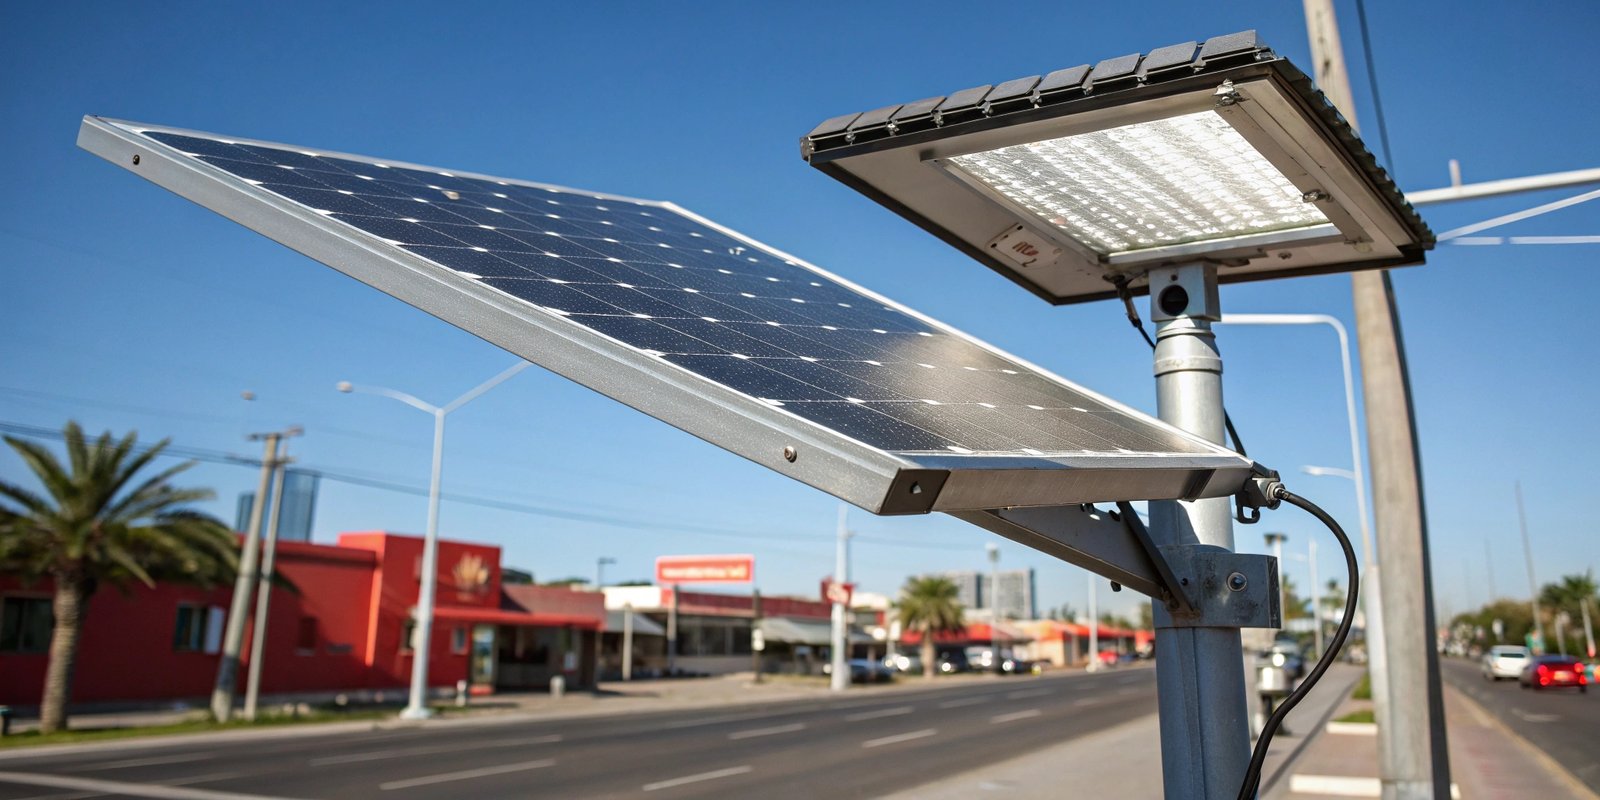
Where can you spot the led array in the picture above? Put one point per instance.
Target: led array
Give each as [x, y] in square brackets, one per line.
[1182, 179]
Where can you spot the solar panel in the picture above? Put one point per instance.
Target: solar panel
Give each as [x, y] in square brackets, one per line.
[765, 355]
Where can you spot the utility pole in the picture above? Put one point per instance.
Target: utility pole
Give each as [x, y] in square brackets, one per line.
[757, 637]
[1413, 752]
[841, 633]
[1588, 627]
[627, 641]
[1316, 604]
[258, 631]
[1527, 553]
[600, 570]
[1488, 560]
[244, 583]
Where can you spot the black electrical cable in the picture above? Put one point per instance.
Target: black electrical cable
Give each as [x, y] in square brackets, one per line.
[1252, 775]
[1372, 81]
[1138, 325]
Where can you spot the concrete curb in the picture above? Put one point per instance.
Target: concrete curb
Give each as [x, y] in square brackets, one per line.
[1316, 732]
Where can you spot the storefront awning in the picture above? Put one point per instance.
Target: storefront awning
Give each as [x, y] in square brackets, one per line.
[642, 625]
[789, 630]
[499, 616]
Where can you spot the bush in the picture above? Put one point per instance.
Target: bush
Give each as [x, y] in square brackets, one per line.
[1363, 689]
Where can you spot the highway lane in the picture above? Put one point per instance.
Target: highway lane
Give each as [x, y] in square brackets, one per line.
[1562, 723]
[858, 745]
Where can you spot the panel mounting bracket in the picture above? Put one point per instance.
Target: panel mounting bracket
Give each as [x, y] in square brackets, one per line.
[1194, 585]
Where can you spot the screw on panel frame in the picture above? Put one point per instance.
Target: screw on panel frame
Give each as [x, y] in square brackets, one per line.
[790, 454]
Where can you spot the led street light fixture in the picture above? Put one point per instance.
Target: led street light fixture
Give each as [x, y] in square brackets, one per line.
[1220, 152]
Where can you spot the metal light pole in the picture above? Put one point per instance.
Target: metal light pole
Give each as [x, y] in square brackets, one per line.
[1275, 541]
[600, 570]
[1094, 624]
[994, 608]
[244, 584]
[841, 634]
[258, 632]
[417, 704]
[1588, 628]
[1527, 553]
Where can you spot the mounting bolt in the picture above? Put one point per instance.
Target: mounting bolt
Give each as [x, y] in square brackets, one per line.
[1227, 95]
[1314, 196]
[1237, 582]
[790, 454]
[1116, 587]
[136, 159]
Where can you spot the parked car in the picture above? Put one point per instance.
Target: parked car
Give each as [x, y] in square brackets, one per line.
[1504, 661]
[904, 662]
[1555, 672]
[954, 661]
[864, 671]
[1108, 658]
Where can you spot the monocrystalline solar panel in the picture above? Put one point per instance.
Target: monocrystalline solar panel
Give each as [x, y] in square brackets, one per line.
[685, 296]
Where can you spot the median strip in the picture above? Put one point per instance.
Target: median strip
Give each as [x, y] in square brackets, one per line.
[773, 731]
[900, 737]
[704, 776]
[124, 788]
[466, 774]
[1014, 716]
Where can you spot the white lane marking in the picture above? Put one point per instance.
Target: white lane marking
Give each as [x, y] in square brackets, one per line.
[887, 712]
[125, 788]
[900, 737]
[467, 774]
[1015, 715]
[148, 762]
[704, 776]
[965, 701]
[1029, 693]
[1535, 717]
[776, 729]
[1353, 728]
[425, 750]
[1340, 786]
[1087, 701]
[695, 723]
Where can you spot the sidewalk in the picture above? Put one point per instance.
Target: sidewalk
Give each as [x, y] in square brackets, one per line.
[1487, 761]
[1123, 761]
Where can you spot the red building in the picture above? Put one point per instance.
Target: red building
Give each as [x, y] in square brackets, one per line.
[342, 625]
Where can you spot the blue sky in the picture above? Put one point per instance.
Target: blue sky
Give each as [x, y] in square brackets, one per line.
[126, 307]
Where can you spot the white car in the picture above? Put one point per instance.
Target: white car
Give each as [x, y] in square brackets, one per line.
[1504, 661]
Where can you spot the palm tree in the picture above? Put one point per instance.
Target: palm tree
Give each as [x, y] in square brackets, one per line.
[89, 528]
[928, 606]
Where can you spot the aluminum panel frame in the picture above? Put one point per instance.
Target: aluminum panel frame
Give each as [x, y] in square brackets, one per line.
[879, 481]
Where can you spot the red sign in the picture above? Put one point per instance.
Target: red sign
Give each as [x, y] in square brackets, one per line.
[705, 569]
[835, 592]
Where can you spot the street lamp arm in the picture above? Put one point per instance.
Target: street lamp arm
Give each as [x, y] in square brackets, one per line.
[1325, 471]
[393, 394]
[485, 386]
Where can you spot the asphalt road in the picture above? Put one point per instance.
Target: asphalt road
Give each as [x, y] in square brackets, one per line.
[1562, 723]
[858, 745]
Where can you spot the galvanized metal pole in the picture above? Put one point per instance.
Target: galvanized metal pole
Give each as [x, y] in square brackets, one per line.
[755, 630]
[1094, 623]
[1316, 602]
[841, 569]
[422, 633]
[627, 641]
[672, 631]
[1588, 628]
[1533, 583]
[258, 631]
[1205, 733]
[1414, 758]
[243, 587]
[994, 605]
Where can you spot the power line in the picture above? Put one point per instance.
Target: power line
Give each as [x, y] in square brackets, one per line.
[1372, 81]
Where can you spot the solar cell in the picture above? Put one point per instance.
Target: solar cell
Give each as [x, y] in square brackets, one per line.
[684, 295]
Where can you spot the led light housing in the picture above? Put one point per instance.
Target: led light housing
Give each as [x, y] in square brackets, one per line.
[1069, 183]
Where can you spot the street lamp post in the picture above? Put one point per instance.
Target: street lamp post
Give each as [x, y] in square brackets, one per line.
[600, 570]
[994, 607]
[417, 704]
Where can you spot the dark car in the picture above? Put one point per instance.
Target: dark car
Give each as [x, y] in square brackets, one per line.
[1555, 672]
[954, 661]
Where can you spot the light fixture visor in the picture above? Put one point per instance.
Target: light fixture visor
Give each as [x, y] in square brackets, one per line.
[1182, 179]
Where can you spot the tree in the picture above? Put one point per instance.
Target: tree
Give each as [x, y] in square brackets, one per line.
[1567, 596]
[90, 529]
[928, 606]
[1147, 618]
[1294, 606]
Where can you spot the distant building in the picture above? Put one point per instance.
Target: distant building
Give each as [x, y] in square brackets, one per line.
[1013, 599]
[299, 507]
